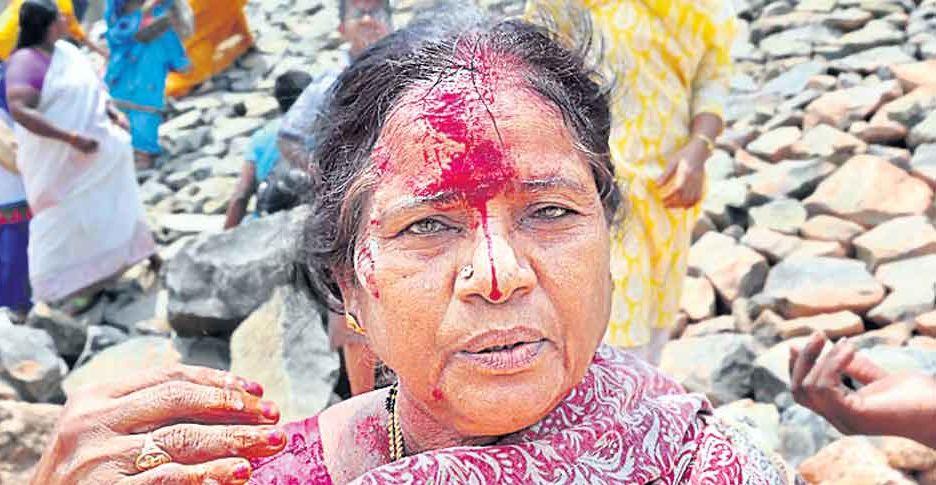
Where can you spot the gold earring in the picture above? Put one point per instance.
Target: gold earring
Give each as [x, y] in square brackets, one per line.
[353, 324]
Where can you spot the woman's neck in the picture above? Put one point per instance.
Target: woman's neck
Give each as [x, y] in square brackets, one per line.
[424, 432]
[48, 47]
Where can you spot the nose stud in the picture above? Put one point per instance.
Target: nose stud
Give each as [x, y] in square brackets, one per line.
[466, 272]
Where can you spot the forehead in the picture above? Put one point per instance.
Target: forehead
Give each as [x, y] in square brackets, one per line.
[364, 4]
[480, 131]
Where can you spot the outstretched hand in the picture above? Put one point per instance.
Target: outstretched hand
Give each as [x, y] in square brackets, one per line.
[888, 404]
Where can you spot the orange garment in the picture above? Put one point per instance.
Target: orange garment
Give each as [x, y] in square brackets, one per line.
[9, 25]
[221, 36]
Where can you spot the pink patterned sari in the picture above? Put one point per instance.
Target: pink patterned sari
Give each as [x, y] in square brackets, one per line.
[625, 423]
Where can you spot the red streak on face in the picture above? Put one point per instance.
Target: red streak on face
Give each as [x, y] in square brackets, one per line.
[459, 140]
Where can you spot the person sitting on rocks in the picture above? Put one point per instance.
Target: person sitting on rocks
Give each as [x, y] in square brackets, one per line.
[886, 404]
[75, 157]
[263, 158]
[145, 46]
[462, 221]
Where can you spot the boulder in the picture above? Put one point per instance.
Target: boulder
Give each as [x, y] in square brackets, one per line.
[718, 365]
[869, 190]
[923, 132]
[923, 163]
[880, 129]
[842, 107]
[803, 433]
[30, 362]
[902, 359]
[874, 34]
[829, 144]
[871, 60]
[698, 298]
[775, 145]
[760, 420]
[283, 345]
[783, 215]
[789, 179]
[926, 324]
[734, 270]
[893, 335]
[218, 280]
[911, 108]
[853, 460]
[712, 326]
[834, 325]
[829, 228]
[133, 357]
[25, 430]
[914, 75]
[100, 337]
[143, 307]
[68, 332]
[916, 272]
[900, 238]
[808, 286]
[776, 246]
[770, 376]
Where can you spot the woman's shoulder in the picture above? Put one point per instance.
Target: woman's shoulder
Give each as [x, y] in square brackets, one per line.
[348, 437]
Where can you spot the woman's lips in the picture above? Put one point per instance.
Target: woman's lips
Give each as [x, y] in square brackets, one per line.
[505, 351]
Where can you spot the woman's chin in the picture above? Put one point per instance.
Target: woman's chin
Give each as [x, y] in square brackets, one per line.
[499, 403]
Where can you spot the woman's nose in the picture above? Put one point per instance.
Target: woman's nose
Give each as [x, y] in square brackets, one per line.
[497, 271]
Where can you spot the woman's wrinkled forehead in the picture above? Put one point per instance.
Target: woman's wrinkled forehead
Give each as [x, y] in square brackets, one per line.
[463, 131]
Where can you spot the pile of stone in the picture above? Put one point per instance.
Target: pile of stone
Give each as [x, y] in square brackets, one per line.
[819, 217]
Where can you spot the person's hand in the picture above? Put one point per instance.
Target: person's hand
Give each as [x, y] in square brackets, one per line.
[888, 404]
[207, 421]
[83, 144]
[683, 180]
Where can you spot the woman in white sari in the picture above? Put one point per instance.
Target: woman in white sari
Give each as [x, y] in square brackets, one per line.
[76, 162]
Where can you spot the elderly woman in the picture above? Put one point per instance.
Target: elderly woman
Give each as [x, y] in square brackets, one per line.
[464, 216]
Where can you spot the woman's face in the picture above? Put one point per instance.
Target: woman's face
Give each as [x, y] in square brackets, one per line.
[482, 275]
[58, 30]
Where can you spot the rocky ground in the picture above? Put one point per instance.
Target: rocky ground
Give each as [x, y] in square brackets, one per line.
[819, 216]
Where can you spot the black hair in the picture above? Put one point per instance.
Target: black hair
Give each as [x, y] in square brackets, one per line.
[428, 50]
[289, 86]
[35, 18]
[343, 8]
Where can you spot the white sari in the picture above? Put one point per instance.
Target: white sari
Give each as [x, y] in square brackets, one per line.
[88, 221]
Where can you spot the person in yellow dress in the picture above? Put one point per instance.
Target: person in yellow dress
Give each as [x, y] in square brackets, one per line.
[221, 36]
[671, 62]
[9, 26]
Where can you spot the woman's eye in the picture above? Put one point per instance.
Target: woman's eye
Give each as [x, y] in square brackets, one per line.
[425, 227]
[551, 212]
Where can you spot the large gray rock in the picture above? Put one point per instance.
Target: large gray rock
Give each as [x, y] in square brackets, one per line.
[923, 163]
[30, 362]
[130, 358]
[791, 178]
[871, 60]
[100, 337]
[785, 216]
[770, 376]
[803, 433]
[218, 280]
[924, 131]
[902, 359]
[802, 287]
[283, 346]
[718, 365]
[760, 420]
[904, 304]
[25, 430]
[68, 332]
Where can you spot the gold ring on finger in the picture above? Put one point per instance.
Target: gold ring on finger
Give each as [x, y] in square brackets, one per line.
[151, 455]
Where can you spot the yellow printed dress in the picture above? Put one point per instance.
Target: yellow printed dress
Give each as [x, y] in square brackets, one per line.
[670, 61]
